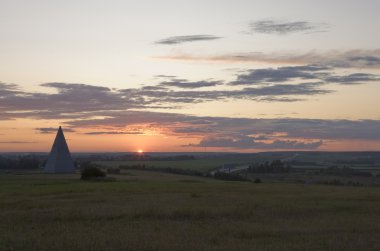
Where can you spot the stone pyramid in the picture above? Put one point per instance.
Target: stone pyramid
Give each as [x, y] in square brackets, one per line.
[59, 160]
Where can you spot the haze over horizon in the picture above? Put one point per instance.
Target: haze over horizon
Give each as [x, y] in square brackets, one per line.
[182, 76]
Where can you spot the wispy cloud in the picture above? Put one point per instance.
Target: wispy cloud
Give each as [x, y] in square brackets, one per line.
[18, 142]
[165, 76]
[340, 59]
[48, 130]
[113, 133]
[273, 128]
[186, 39]
[283, 84]
[286, 27]
[251, 143]
[185, 84]
[365, 60]
[281, 74]
[97, 110]
[242, 133]
[295, 74]
[166, 97]
[356, 78]
[109, 112]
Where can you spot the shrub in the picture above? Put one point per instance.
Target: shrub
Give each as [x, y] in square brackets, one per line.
[92, 172]
[257, 181]
[229, 176]
[113, 170]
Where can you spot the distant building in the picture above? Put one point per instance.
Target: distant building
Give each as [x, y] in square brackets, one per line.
[59, 160]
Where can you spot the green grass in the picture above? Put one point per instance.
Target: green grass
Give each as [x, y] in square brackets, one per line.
[202, 164]
[148, 211]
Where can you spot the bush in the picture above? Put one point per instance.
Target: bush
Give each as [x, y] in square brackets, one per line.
[229, 177]
[113, 170]
[257, 181]
[92, 172]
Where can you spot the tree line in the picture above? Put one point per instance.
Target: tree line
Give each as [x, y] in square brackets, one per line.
[21, 162]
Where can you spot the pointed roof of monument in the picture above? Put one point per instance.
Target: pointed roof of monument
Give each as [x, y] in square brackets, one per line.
[60, 160]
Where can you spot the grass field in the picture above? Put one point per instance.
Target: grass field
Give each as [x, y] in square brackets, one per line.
[201, 164]
[211, 163]
[156, 211]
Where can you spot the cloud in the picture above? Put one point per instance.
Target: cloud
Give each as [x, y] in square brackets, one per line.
[18, 142]
[272, 129]
[99, 110]
[153, 88]
[280, 99]
[281, 74]
[113, 133]
[295, 74]
[166, 98]
[186, 39]
[250, 143]
[366, 60]
[78, 101]
[284, 27]
[70, 101]
[183, 83]
[165, 76]
[279, 133]
[8, 89]
[48, 130]
[339, 59]
[356, 78]
[303, 89]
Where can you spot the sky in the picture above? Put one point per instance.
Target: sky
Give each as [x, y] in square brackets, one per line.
[182, 76]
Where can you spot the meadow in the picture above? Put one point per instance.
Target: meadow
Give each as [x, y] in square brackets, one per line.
[158, 211]
[199, 164]
[362, 161]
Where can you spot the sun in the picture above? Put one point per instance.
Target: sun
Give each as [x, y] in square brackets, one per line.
[140, 151]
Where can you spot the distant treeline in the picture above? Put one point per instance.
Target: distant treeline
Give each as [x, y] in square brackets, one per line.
[217, 175]
[22, 162]
[345, 171]
[164, 170]
[276, 166]
[230, 176]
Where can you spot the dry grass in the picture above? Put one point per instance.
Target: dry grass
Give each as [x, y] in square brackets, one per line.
[173, 212]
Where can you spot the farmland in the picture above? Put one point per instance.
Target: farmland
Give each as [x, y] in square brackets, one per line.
[199, 164]
[158, 211]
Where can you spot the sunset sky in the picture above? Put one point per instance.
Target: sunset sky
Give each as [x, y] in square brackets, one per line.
[176, 75]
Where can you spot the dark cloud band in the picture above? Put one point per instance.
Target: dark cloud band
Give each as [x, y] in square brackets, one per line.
[186, 39]
[284, 27]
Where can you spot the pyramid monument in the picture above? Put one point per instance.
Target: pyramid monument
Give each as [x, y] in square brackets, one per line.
[59, 160]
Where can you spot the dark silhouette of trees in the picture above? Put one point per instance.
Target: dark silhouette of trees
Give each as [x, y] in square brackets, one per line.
[276, 166]
[21, 162]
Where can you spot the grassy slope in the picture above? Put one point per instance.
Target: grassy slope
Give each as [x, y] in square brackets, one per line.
[171, 212]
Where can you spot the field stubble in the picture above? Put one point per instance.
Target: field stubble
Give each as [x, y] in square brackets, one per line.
[173, 212]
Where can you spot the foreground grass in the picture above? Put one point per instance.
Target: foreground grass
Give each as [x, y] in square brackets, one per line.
[39, 212]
